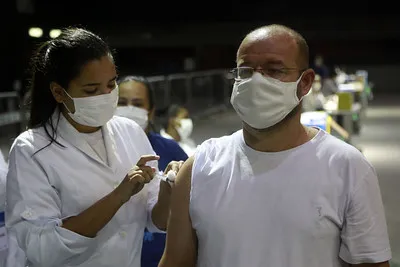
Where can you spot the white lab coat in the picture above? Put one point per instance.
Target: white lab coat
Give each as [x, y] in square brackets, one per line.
[59, 182]
[3, 235]
[3, 174]
[13, 256]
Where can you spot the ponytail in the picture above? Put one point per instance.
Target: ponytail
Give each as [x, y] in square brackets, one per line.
[40, 99]
[42, 102]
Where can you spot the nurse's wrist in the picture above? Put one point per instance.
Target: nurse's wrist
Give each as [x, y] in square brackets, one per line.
[117, 199]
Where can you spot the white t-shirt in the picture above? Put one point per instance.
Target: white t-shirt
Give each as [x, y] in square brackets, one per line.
[316, 205]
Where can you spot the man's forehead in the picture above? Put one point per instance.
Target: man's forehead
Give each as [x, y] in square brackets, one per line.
[267, 43]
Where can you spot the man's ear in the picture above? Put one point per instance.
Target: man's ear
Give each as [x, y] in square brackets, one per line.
[305, 83]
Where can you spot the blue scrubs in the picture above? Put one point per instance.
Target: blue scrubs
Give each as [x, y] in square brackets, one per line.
[154, 243]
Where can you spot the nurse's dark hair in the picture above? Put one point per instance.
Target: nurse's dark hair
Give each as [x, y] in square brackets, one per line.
[149, 88]
[59, 60]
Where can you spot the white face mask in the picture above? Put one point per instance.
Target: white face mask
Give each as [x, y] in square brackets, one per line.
[94, 111]
[138, 115]
[262, 102]
[186, 128]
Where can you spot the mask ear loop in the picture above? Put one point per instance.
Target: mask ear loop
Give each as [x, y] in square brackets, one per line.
[297, 84]
[69, 111]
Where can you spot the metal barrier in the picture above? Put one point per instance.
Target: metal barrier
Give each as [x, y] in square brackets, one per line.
[11, 114]
[200, 92]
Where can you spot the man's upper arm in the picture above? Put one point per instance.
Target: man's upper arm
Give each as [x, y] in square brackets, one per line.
[364, 233]
[181, 244]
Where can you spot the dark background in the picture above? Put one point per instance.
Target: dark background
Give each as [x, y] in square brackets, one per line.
[154, 37]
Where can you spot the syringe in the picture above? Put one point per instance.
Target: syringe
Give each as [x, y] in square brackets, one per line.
[170, 177]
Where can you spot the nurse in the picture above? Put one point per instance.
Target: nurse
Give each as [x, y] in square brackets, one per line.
[80, 188]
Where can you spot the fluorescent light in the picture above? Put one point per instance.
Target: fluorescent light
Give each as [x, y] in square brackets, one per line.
[35, 32]
[54, 33]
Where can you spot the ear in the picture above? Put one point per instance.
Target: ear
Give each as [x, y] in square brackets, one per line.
[305, 83]
[58, 92]
[60, 96]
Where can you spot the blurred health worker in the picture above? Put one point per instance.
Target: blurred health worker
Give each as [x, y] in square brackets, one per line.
[179, 126]
[136, 102]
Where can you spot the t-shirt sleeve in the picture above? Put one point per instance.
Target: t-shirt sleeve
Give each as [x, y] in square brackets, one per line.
[364, 234]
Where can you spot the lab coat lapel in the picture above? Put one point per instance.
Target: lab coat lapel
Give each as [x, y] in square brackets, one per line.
[109, 140]
[72, 136]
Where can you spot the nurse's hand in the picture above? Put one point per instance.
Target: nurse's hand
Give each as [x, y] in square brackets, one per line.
[174, 166]
[136, 178]
[161, 209]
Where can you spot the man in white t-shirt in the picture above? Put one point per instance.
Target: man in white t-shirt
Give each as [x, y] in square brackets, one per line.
[276, 193]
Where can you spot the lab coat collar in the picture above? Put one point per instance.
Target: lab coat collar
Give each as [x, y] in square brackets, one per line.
[164, 134]
[109, 140]
[72, 136]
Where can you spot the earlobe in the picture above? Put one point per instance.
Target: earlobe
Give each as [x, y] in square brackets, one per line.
[57, 92]
[308, 81]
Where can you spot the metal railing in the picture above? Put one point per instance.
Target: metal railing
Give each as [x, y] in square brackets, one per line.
[200, 92]
[12, 119]
[10, 109]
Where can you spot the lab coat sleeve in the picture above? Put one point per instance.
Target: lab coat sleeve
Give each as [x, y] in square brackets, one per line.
[3, 175]
[33, 212]
[16, 256]
[364, 233]
[153, 188]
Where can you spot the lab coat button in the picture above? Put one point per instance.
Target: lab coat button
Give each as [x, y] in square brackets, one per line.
[27, 214]
[122, 234]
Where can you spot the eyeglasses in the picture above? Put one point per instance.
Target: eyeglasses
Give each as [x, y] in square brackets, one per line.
[241, 73]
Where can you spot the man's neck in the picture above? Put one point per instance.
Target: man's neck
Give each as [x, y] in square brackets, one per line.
[288, 134]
